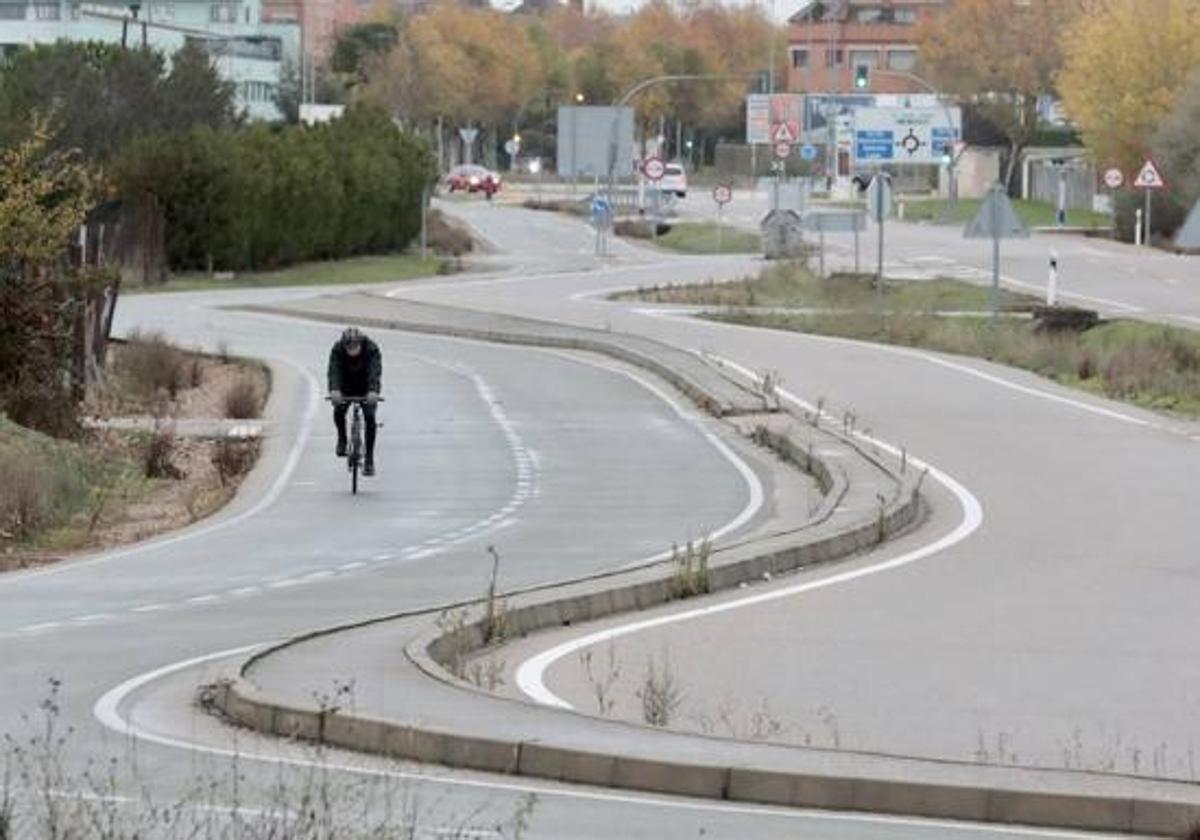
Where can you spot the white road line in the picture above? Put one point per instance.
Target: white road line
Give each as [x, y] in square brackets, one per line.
[107, 710]
[283, 584]
[149, 608]
[272, 495]
[530, 676]
[1041, 289]
[203, 599]
[37, 628]
[355, 564]
[243, 591]
[1090, 408]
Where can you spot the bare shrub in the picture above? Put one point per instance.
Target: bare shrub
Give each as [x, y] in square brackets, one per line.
[151, 364]
[233, 458]
[25, 495]
[242, 401]
[691, 576]
[660, 693]
[158, 453]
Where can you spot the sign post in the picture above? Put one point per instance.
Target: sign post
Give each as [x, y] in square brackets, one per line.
[468, 136]
[879, 207]
[722, 194]
[1150, 179]
[996, 220]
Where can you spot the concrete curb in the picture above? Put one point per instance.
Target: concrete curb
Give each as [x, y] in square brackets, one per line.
[435, 650]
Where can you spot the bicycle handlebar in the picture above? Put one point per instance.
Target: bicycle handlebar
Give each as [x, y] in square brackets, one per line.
[353, 399]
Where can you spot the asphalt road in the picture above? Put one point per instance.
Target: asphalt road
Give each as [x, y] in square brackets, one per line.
[1057, 633]
[493, 442]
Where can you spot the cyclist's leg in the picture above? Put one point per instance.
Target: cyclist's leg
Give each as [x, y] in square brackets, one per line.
[369, 423]
[339, 421]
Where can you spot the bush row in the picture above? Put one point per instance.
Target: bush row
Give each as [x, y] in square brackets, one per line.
[261, 197]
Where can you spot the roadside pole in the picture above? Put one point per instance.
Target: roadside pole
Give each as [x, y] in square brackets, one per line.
[1052, 282]
[996, 220]
[1150, 179]
[425, 222]
[879, 206]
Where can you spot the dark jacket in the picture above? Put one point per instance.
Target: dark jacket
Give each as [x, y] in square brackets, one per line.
[355, 376]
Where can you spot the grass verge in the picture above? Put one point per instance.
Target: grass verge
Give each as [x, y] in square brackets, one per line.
[377, 269]
[1032, 213]
[791, 286]
[1148, 365]
[710, 238]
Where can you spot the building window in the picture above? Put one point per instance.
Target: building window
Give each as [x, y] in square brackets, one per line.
[864, 58]
[47, 11]
[799, 58]
[12, 11]
[222, 13]
[833, 58]
[907, 16]
[905, 60]
[875, 15]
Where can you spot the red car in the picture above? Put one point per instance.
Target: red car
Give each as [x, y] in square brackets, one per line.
[470, 178]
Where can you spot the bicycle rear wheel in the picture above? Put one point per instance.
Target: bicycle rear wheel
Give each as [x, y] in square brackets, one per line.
[354, 477]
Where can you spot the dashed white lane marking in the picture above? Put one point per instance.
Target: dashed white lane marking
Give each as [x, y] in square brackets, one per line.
[107, 710]
[244, 591]
[202, 599]
[38, 628]
[530, 676]
[352, 565]
[149, 608]
[93, 618]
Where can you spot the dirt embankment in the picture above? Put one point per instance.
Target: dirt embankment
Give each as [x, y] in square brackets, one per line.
[156, 454]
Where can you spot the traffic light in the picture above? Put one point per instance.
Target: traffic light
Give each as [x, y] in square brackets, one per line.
[862, 77]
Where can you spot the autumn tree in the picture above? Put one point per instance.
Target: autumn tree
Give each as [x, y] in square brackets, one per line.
[44, 197]
[1000, 56]
[1126, 63]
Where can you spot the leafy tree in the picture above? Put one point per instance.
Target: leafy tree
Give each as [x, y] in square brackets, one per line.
[1127, 61]
[355, 44]
[1176, 145]
[100, 96]
[44, 197]
[1000, 57]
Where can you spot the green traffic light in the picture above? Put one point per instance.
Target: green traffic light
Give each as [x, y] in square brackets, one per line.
[862, 77]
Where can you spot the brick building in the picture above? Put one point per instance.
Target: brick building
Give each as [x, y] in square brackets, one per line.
[828, 39]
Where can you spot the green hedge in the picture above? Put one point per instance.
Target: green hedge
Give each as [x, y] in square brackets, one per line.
[262, 197]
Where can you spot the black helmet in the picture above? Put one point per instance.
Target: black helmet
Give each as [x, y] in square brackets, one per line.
[352, 335]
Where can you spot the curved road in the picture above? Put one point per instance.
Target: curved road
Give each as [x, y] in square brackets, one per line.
[488, 445]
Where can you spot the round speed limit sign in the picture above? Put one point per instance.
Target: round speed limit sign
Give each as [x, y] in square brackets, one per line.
[654, 168]
[722, 193]
[1114, 178]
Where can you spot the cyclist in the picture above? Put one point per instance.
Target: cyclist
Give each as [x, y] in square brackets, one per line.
[355, 370]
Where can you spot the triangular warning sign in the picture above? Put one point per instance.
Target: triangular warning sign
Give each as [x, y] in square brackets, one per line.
[1149, 178]
[996, 219]
[1189, 235]
[783, 134]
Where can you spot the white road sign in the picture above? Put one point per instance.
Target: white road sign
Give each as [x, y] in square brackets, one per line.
[722, 193]
[468, 135]
[1149, 177]
[782, 149]
[782, 133]
[905, 135]
[1114, 178]
[654, 168]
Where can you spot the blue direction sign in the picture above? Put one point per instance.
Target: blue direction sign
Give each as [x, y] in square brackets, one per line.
[874, 145]
[808, 152]
[942, 140]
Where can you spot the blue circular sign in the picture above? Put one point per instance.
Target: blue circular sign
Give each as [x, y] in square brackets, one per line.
[808, 152]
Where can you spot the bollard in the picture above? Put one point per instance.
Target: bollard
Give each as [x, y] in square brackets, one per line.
[1052, 283]
[1137, 227]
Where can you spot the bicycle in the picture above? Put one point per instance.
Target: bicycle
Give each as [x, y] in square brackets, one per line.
[355, 451]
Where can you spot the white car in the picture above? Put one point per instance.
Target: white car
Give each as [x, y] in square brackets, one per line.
[674, 180]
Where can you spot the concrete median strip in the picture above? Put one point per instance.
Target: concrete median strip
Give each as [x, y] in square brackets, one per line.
[867, 499]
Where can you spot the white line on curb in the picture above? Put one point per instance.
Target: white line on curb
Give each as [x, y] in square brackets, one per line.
[530, 676]
[107, 710]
